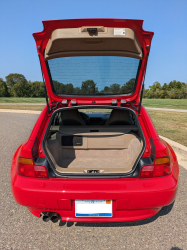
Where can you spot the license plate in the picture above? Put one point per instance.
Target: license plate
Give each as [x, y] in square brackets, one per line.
[93, 208]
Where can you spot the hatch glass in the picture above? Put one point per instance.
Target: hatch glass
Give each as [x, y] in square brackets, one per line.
[93, 75]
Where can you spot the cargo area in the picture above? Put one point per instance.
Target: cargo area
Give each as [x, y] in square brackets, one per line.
[93, 142]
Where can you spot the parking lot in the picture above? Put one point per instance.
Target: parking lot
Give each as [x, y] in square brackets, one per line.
[19, 229]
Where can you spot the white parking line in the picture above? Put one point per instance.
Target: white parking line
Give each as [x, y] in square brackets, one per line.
[172, 110]
[20, 111]
[182, 160]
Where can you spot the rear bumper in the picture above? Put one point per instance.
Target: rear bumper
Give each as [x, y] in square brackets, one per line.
[118, 216]
[133, 199]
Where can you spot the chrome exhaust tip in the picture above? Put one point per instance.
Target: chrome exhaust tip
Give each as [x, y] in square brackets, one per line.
[46, 217]
[55, 217]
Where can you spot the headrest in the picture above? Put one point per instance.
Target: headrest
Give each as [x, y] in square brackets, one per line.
[119, 117]
[71, 117]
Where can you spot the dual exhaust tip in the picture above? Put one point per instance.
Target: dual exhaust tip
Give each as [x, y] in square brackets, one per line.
[54, 217]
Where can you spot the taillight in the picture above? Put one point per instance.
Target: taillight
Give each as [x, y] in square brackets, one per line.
[26, 167]
[160, 167]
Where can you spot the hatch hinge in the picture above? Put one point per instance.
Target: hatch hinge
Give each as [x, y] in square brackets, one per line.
[69, 103]
[66, 102]
[133, 106]
[53, 108]
[121, 102]
[114, 102]
[73, 102]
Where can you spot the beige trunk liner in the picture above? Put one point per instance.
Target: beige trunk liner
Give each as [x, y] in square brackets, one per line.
[105, 160]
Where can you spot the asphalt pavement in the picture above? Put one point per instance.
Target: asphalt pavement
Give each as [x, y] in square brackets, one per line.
[19, 229]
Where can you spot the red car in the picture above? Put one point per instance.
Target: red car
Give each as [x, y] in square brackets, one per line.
[94, 154]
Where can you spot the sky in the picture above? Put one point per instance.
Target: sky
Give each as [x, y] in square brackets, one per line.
[166, 18]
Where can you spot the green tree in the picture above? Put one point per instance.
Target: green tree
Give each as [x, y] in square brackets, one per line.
[128, 86]
[165, 87]
[157, 93]
[184, 91]
[89, 87]
[59, 87]
[162, 94]
[106, 89]
[115, 88]
[3, 88]
[77, 90]
[21, 89]
[150, 94]
[12, 79]
[69, 89]
[37, 89]
[173, 90]
[155, 86]
[18, 85]
[175, 85]
[145, 92]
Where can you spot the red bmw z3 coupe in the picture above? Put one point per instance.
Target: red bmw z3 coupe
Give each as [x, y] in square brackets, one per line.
[94, 154]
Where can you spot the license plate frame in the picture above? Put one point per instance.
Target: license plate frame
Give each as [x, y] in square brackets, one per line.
[93, 208]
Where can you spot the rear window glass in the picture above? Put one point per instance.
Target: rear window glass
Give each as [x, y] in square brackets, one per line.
[93, 75]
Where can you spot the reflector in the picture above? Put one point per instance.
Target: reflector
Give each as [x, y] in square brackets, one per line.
[162, 160]
[25, 160]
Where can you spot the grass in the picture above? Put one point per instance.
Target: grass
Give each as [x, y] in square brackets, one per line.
[40, 108]
[172, 125]
[22, 99]
[165, 103]
[23, 107]
[154, 103]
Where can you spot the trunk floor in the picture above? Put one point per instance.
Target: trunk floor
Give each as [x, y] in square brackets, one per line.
[94, 163]
[109, 160]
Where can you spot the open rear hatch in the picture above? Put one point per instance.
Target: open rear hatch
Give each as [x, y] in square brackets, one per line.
[95, 63]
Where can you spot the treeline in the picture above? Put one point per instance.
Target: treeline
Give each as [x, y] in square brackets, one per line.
[172, 90]
[90, 87]
[16, 85]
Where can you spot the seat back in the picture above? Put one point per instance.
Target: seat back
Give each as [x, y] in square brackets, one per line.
[71, 117]
[119, 117]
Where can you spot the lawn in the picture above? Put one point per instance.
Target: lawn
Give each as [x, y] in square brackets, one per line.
[165, 103]
[22, 99]
[154, 103]
[23, 107]
[172, 125]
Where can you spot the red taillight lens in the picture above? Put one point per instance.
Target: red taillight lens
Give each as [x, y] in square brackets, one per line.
[161, 167]
[40, 172]
[147, 172]
[26, 167]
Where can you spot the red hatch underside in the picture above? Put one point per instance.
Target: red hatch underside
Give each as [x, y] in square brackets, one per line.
[144, 38]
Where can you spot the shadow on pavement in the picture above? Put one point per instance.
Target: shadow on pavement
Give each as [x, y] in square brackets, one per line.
[176, 248]
[164, 211]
